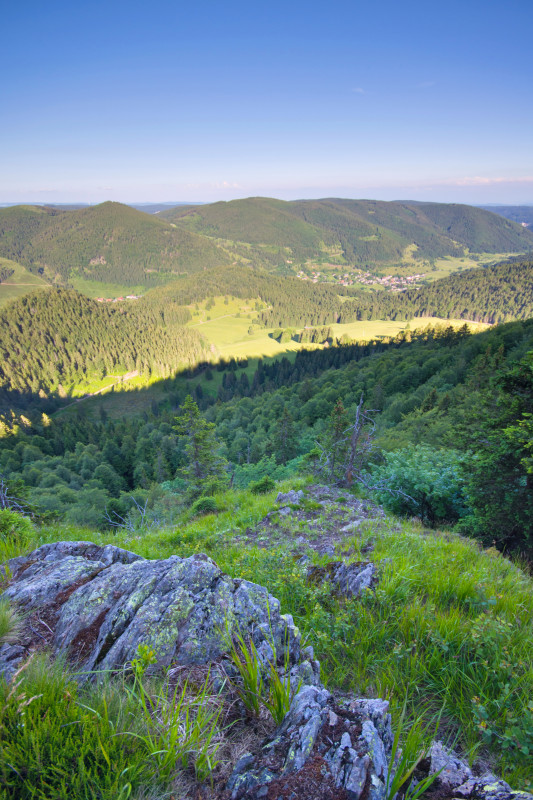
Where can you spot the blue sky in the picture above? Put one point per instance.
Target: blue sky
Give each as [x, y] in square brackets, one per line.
[173, 101]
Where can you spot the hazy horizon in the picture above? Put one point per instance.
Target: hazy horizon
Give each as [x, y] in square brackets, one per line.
[125, 101]
[170, 203]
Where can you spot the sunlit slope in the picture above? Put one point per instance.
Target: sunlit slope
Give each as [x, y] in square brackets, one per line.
[110, 242]
[357, 231]
[56, 339]
[16, 280]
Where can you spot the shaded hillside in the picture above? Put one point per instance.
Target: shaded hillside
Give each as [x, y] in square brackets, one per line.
[365, 231]
[58, 337]
[441, 388]
[110, 242]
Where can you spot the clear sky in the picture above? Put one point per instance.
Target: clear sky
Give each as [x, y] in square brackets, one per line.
[182, 101]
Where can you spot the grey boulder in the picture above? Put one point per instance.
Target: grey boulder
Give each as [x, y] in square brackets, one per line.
[101, 603]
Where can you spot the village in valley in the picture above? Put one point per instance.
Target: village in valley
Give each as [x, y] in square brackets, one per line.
[396, 283]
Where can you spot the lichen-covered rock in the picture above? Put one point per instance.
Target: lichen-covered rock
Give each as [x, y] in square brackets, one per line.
[322, 749]
[452, 771]
[291, 496]
[349, 580]
[11, 658]
[100, 603]
[458, 780]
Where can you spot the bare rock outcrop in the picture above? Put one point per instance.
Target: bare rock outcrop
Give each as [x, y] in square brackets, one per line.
[97, 604]
[348, 579]
[323, 750]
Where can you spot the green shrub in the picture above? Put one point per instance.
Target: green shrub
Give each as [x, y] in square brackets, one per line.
[213, 486]
[422, 481]
[204, 505]
[262, 486]
[14, 527]
[52, 745]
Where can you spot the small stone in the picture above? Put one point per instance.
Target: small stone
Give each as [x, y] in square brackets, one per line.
[291, 496]
[351, 526]
[452, 771]
[333, 719]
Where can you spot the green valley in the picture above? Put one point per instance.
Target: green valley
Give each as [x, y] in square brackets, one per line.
[166, 423]
[111, 250]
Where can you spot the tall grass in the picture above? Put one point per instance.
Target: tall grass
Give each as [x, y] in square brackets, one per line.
[448, 628]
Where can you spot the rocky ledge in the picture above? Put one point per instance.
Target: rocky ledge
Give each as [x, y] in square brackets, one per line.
[96, 605]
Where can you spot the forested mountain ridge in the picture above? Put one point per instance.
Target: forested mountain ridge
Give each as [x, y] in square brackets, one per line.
[115, 244]
[492, 294]
[110, 242]
[367, 232]
[523, 215]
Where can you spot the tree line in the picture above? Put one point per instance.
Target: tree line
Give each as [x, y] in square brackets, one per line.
[449, 391]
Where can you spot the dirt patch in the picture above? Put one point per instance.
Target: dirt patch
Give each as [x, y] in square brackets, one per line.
[85, 640]
[312, 782]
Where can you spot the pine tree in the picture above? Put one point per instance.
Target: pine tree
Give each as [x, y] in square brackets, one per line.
[204, 466]
[284, 438]
[336, 441]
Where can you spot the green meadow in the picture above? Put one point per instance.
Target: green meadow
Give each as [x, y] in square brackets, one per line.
[225, 327]
[20, 283]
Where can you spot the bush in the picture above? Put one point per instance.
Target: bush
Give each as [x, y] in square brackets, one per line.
[262, 486]
[14, 527]
[424, 482]
[204, 505]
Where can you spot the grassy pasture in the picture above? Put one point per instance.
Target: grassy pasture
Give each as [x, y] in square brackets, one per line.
[20, 283]
[228, 336]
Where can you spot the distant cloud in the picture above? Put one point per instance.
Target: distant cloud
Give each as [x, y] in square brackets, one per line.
[358, 90]
[479, 181]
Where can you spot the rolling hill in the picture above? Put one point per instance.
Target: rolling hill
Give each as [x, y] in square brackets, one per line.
[112, 249]
[111, 242]
[356, 232]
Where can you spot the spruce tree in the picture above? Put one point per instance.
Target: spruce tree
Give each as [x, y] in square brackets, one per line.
[284, 438]
[205, 468]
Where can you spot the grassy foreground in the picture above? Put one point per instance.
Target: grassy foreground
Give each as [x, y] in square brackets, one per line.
[447, 630]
